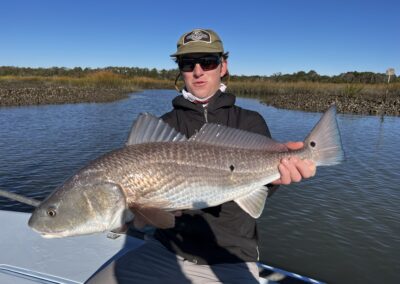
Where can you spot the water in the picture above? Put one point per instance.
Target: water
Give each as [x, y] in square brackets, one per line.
[340, 226]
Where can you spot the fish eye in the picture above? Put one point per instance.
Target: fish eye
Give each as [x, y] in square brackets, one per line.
[51, 212]
[313, 144]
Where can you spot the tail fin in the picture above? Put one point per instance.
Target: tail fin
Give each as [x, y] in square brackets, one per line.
[324, 140]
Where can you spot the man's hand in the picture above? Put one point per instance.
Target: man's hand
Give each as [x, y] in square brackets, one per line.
[294, 169]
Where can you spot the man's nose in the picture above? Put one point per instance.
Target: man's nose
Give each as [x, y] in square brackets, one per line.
[198, 71]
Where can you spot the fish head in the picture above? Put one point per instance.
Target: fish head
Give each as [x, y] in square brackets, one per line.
[80, 208]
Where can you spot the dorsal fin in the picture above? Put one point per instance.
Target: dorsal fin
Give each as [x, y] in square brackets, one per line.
[221, 135]
[149, 128]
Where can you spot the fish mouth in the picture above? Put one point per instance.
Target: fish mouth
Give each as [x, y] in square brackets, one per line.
[49, 235]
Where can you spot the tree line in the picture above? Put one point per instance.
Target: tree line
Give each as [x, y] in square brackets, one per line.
[130, 72]
[312, 76]
[79, 72]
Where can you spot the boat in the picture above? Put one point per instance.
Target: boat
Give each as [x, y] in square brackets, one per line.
[27, 258]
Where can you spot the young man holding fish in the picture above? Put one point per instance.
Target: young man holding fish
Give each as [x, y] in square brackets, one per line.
[217, 244]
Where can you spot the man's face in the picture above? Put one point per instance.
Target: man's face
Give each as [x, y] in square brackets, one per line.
[200, 81]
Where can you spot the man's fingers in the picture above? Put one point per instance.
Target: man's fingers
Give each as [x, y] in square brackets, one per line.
[293, 169]
[291, 164]
[285, 174]
[307, 168]
[288, 172]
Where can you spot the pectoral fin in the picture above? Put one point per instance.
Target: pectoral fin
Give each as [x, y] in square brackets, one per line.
[254, 202]
[153, 216]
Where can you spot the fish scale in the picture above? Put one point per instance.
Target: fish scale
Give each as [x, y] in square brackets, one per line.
[195, 173]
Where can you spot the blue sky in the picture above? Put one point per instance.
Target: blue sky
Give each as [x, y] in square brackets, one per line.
[263, 37]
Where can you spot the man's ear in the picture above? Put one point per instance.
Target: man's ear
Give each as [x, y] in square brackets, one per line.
[224, 68]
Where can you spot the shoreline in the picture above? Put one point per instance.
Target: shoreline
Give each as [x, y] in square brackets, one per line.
[364, 104]
[60, 95]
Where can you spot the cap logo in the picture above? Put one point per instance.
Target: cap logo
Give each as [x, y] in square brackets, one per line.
[197, 35]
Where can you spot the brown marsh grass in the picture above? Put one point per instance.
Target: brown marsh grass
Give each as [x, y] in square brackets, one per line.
[266, 88]
[102, 79]
[107, 86]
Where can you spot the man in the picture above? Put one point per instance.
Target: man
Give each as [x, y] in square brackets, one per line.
[217, 244]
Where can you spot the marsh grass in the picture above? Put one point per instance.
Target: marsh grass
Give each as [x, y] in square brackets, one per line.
[105, 86]
[102, 80]
[268, 88]
[109, 80]
[101, 86]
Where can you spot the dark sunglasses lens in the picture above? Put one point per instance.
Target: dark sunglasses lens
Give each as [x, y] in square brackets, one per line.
[209, 63]
[206, 63]
[187, 64]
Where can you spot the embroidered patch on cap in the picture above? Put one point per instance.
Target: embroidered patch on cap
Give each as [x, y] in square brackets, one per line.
[197, 35]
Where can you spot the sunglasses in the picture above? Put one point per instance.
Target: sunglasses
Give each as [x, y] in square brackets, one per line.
[207, 63]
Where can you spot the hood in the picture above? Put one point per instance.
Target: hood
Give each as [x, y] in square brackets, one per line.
[219, 100]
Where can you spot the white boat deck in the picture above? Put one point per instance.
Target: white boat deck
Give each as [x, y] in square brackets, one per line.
[26, 257]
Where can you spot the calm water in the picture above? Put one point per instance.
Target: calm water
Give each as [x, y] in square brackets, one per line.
[341, 226]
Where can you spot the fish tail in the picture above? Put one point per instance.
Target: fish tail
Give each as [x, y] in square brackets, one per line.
[324, 140]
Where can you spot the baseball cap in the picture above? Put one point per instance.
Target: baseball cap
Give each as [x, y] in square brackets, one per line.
[199, 41]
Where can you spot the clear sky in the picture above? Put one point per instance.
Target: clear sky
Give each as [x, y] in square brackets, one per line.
[263, 37]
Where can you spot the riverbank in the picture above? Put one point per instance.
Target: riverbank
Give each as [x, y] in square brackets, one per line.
[366, 99]
[361, 104]
[97, 88]
[369, 99]
[58, 95]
